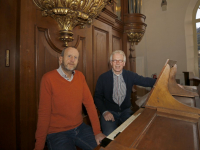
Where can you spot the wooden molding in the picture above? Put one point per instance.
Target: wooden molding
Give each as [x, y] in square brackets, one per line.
[118, 26]
[109, 18]
[48, 38]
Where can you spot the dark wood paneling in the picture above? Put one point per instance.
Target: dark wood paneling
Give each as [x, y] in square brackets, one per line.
[27, 75]
[8, 17]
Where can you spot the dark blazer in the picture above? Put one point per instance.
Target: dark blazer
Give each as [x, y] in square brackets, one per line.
[104, 90]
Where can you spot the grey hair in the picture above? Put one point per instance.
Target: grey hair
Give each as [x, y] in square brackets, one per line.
[63, 51]
[119, 52]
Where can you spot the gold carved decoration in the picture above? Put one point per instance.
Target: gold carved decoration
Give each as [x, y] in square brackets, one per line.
[70, 13]
[134, 36]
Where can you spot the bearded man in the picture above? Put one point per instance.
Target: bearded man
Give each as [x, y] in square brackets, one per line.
[60, 122]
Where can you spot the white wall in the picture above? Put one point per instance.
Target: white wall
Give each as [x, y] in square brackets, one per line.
[165, 36]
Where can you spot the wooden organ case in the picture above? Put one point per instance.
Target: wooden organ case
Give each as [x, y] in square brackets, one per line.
[165, 123]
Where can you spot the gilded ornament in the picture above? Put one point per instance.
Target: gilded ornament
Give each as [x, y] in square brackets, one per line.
[70, 13]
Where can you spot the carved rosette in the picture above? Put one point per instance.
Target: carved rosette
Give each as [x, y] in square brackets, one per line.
[70, 13]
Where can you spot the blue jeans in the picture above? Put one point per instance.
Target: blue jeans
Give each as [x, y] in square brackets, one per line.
[109, 126]
[82, 136]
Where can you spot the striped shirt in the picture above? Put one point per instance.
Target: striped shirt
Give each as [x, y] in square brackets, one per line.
[119, 89]
[60, 71]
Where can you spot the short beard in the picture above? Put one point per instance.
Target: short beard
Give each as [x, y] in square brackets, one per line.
[67, 69]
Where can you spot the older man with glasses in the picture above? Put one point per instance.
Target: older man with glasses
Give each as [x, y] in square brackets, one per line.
[113, 92]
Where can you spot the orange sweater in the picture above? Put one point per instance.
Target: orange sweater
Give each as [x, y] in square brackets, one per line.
[60, 106]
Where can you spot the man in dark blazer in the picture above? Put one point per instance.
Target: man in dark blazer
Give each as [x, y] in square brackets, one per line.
[113, 92]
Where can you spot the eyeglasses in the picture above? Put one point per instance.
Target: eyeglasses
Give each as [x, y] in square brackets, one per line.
[120, 61]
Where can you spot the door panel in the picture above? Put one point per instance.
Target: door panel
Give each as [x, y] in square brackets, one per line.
[100, 51]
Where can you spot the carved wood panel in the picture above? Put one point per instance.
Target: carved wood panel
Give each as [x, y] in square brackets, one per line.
[100, 52]
[117, 43]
